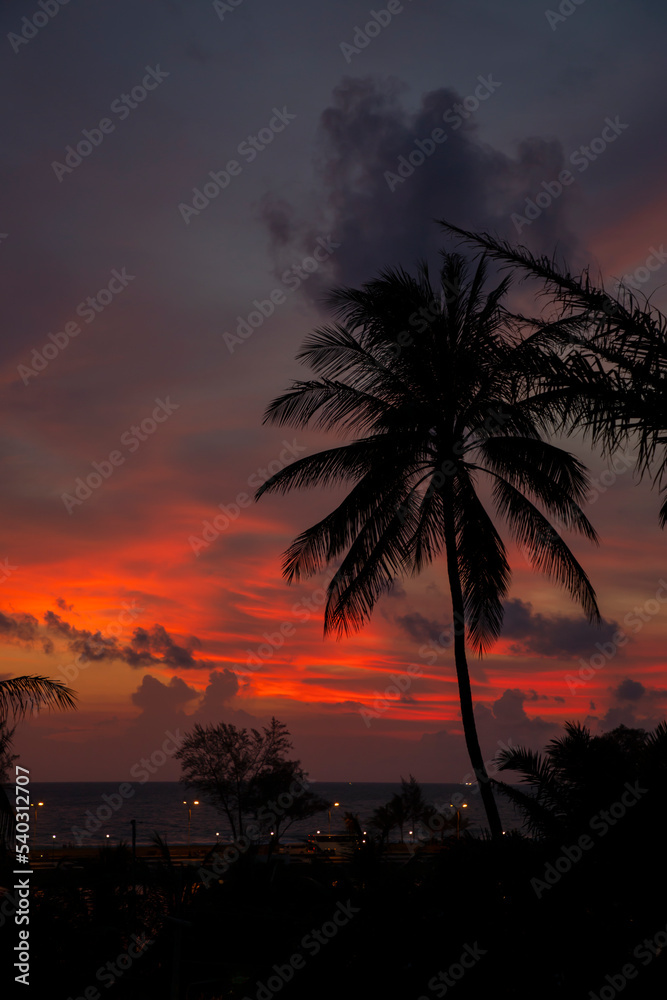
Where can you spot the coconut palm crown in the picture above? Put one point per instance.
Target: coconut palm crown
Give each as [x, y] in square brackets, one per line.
[431, 383]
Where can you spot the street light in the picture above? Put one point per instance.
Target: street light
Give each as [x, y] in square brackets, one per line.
[34, 806]
[195, 802]
[464, 805]
[329, 812]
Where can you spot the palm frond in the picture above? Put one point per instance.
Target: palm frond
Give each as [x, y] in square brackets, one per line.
[613, 378]
[376, 558]
[342, 406]
[20, 695]
[547, 550]
[552, 476]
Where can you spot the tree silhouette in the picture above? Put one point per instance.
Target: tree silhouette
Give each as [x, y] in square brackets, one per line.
[608, 376]
[18, 695]
[579, 774]
[415, 804]
[7, 758]
[383, 820]
[231, 768]
[280, 797]
[433, 383]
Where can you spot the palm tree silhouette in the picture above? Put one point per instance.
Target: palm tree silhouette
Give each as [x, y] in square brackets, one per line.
[414, 803]
[579, 773]
[611, 379]
[433, 383]
[18, 695]
[383, 819]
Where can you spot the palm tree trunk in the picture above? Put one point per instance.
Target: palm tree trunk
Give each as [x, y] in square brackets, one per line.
[463, 676]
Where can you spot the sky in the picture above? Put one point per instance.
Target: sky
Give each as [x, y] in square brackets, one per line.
[181, 184]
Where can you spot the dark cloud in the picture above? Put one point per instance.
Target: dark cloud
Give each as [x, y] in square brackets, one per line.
[148, 647]
[59, 626]
[629, 690]
[178, 706]
[157, 698]
[157, 646]
[634, 691]
[23, 629]
[534, 696]
[634, 715]
[222, 686]
[378, 222]
[546, 635]
[19, 628]
[418, 627]
[552, 635]
[509, 707]
[167, 700]
[506, 724]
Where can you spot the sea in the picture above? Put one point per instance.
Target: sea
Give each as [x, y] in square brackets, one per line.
[97, 813]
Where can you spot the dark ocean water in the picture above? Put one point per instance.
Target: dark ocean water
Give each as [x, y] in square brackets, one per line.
[72, 807]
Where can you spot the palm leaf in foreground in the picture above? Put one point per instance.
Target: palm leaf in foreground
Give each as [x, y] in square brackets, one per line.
[19, 695]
